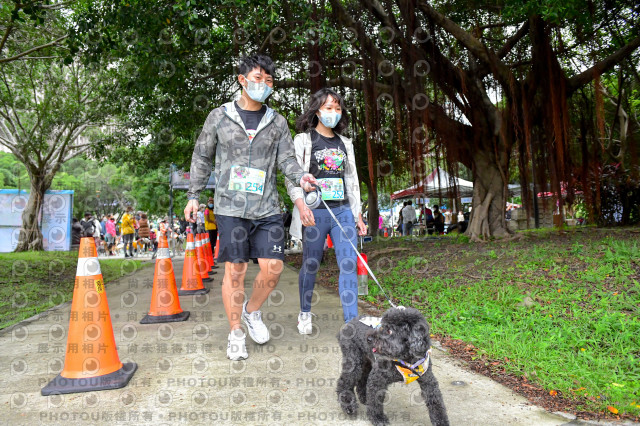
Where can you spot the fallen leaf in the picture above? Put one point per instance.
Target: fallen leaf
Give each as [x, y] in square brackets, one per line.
[614, 410]
[553, 393]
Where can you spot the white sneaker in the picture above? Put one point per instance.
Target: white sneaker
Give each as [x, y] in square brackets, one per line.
[236, 349]
[257, 330]
[304, 323]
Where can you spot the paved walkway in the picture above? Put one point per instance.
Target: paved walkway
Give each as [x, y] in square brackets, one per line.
[184, 376]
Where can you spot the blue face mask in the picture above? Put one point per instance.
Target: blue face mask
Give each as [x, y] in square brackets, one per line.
[259, 92]
[330, 119]
[210, 206]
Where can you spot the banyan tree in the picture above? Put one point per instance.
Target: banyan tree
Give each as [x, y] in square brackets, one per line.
[507, 89]
[488, 85]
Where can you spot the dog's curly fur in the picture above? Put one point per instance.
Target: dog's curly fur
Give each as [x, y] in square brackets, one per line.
[402, 334]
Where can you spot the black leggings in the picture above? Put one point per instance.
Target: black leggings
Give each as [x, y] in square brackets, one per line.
[128, 241]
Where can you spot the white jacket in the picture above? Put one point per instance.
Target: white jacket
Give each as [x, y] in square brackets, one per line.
[302, 145]
[408, 214]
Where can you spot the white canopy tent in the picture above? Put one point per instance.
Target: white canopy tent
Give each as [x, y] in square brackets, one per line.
[437, 183]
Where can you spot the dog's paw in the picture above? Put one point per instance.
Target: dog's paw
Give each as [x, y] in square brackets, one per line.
[380, 420]
[350, 410]
[348, 402]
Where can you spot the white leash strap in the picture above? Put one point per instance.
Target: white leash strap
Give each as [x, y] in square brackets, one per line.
[358, 253]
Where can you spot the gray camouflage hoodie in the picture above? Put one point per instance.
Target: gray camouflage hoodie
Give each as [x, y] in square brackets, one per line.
[224, 134]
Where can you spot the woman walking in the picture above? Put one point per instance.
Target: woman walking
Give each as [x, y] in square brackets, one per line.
[143, 232]
[328, 156]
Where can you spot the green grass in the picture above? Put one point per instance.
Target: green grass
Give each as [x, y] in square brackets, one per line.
[580, 336]
[32, 282]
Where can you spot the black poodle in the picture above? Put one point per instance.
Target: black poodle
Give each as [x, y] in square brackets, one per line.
[379, 351]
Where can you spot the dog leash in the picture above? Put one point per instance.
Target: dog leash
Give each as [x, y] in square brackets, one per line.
[315, 204]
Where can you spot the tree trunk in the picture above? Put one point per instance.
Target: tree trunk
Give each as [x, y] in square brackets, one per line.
[487, 216]
[374, 213]
[30, 237]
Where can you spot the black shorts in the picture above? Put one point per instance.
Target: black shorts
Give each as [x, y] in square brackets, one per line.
[245, 239]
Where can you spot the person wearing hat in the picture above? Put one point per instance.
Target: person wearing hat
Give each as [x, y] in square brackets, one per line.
[128, 231]
[91, 227]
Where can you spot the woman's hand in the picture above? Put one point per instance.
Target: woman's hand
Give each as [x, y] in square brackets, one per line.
[362, 228]
[307, 181]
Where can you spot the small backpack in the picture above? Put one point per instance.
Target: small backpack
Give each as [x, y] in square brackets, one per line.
[88, 228]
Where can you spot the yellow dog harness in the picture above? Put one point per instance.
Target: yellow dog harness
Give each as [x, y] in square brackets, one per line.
[411, 372]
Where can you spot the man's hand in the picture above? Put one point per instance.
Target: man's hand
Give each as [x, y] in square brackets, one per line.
[306, 215]
[306, 182]
[192, 207]
[362, 228]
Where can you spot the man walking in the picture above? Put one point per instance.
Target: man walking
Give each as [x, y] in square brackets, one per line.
[408, 218]
[248, 139]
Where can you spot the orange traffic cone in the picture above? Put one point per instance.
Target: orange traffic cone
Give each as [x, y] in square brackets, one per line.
[165, 304]
[91, 361]
[191, 281]
[215, 255]
[201, 260]
[214, 252]
[209, 253]
[329, 242]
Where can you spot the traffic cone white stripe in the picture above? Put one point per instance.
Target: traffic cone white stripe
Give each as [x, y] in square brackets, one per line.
[88, 266]
[191, 246]
[163, 253]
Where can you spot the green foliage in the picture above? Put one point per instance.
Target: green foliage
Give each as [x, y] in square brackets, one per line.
[104, 188]
[13, 172]
[33, 282]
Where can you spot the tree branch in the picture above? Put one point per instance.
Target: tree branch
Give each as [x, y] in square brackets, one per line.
[71, 155]
[34, 49]
[5, 37]
[603, 66]
[334, 82]
[513, 40]
[473, 45]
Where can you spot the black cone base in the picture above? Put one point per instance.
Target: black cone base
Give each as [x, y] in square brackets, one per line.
[207, 279]
[192, 292]
[150, 319]
[212, 272]
[215, 267]
[116, 380]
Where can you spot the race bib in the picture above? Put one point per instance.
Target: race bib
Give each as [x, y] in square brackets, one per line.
[332, 188]
[247, 179]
